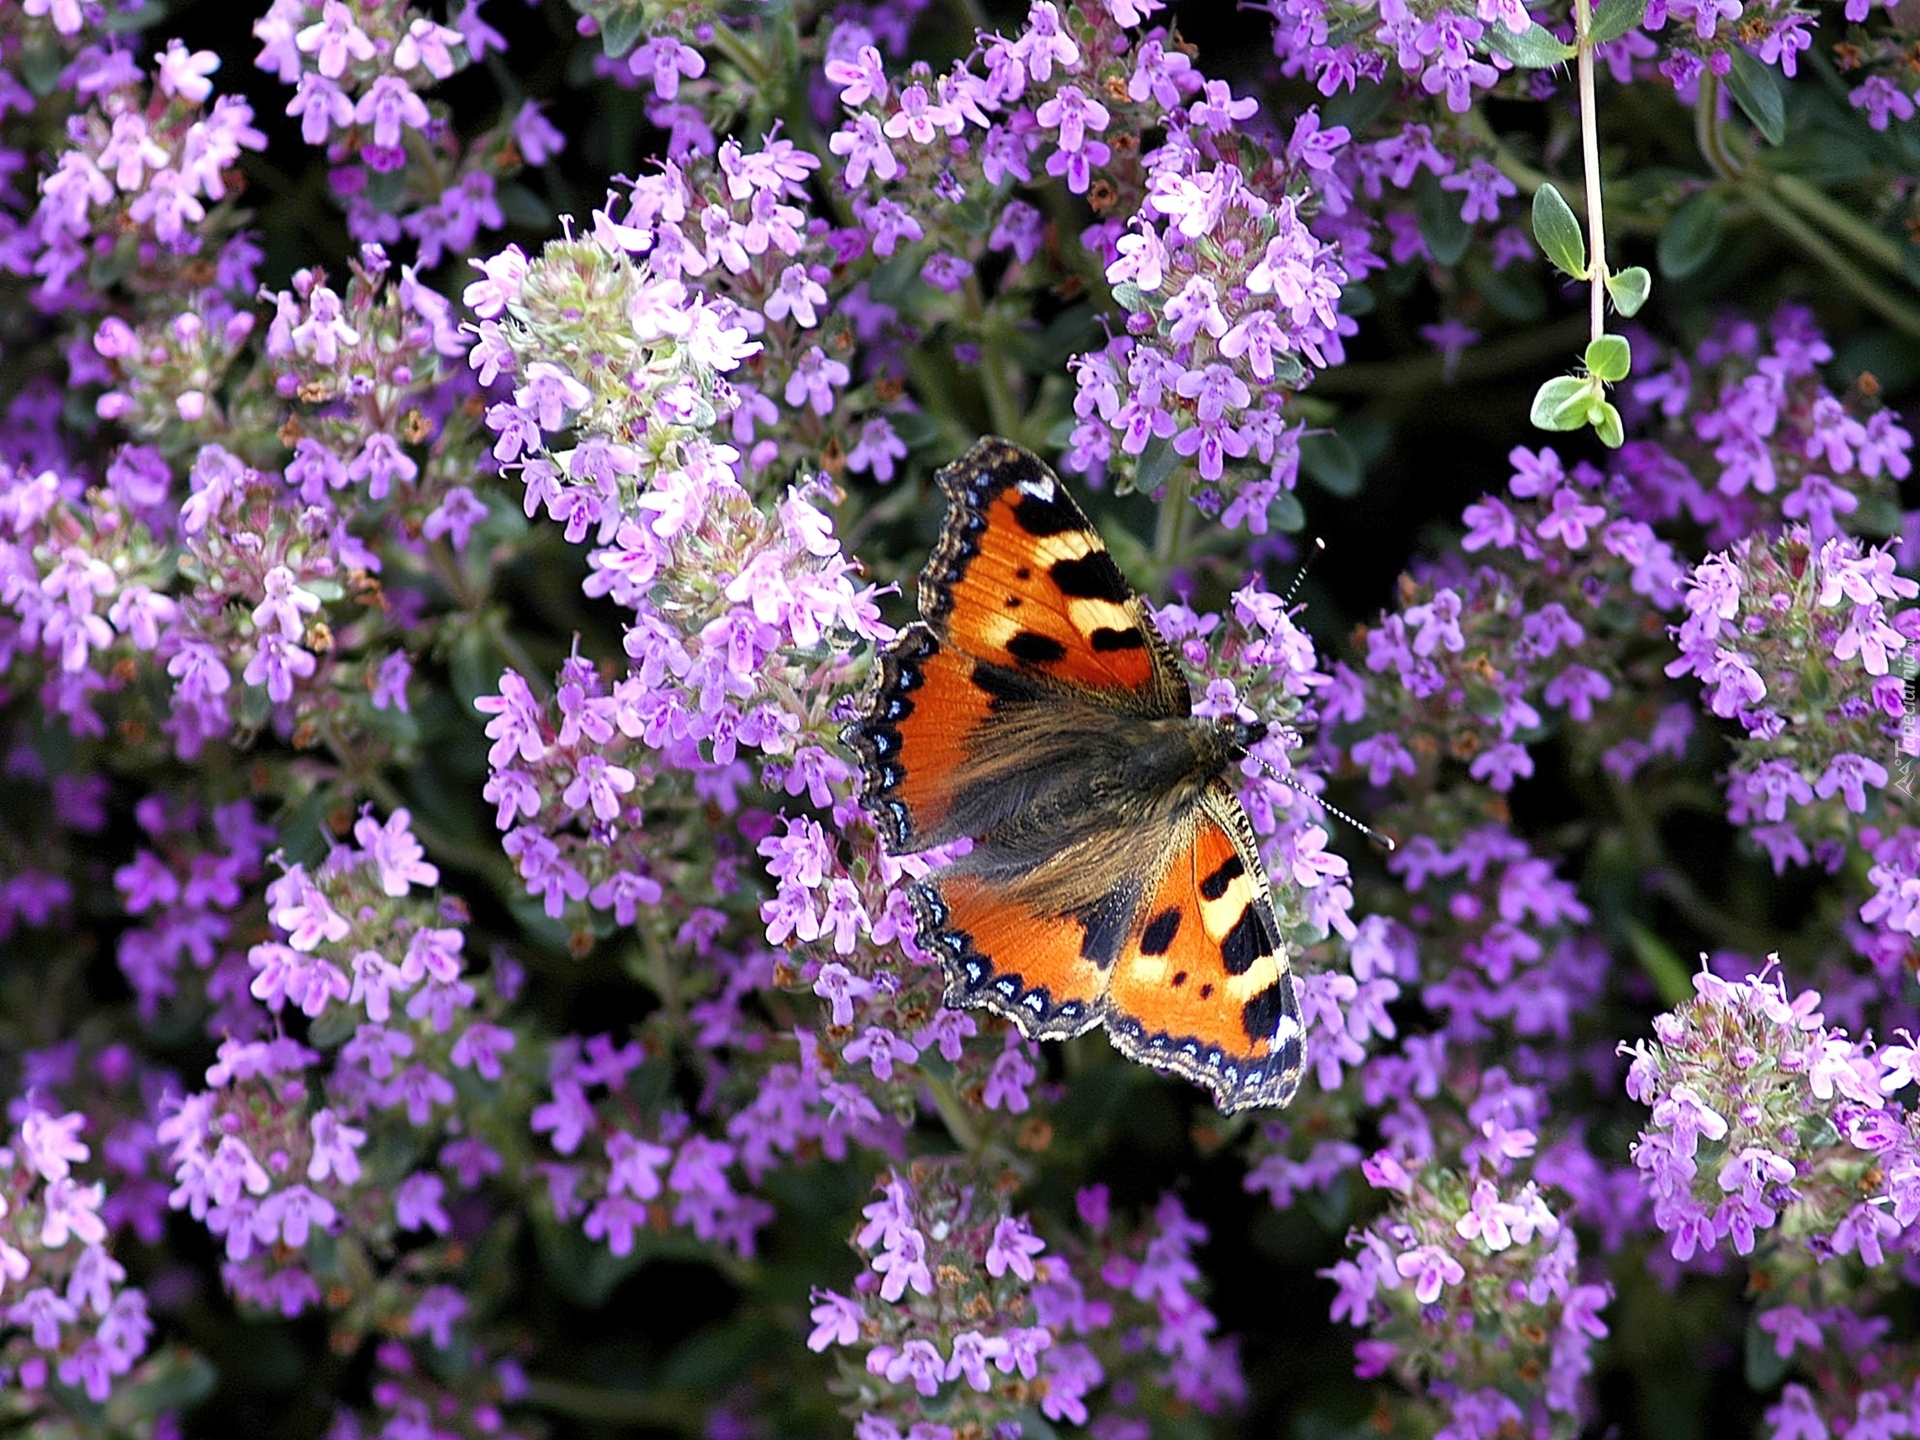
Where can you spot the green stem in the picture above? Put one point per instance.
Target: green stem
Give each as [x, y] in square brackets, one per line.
[995, 387]
[1170, 533]
[1817, 247]
[741, 54]
[1818, 206]
[1708, 135]
[1590, 164]
[958, 1122]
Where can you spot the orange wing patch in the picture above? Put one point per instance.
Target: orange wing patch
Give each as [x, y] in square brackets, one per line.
[1042, 971]
[1203, 987]
[924, 714]
[1022, 579]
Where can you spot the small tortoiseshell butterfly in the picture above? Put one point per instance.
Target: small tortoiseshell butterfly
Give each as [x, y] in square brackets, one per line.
[1113, 878]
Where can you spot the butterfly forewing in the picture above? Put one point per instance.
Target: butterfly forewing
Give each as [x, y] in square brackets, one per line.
[1014, 716]
[1021, 578]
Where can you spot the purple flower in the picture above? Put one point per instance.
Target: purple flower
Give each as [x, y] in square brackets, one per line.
[836, 1321]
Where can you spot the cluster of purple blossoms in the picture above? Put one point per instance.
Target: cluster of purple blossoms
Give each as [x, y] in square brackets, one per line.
[132, 186]
[1793, 639]
[66, 1313]
[1456, 51]
[397, 165]
[1779, 1138]
[1467, 1239]
[99, 576]
[1477, 652]
[963, 1317]
[1745, 434]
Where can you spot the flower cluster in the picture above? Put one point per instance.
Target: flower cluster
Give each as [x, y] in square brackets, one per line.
[65, 1309]
[1794, 640]
[1478, 651]
[141, 166]
[1776, 1136]
[398, 167]
[1454, 1246]
[965, 1317]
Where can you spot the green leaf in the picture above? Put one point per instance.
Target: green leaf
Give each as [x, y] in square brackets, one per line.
[1692, 235]
[1357, 108]
[1561, 403]
[1289, 516]
[1610, 358]
[523, 208]
[1331, 463]
[620, 31]
[1765, 1367]
[1606, 424]
[1614, 18]
[1558, 234]
[1514, 292]
[42, 64]
[129, 22]
[1757, 90]
[1662, 963]
[1155, 464]
[1630, 289]
[1441, 227]
[1534, 48]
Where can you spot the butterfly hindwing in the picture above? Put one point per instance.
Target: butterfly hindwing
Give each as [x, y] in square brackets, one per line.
[1040, 970]
[1021, 579]
[1204, 987]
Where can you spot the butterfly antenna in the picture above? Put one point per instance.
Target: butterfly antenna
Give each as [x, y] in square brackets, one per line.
[1332, 809]
[1319, 549]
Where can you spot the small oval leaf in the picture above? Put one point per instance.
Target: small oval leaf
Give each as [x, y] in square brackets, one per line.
[1629, 289]
[1534, 48]
[1610, 358]
[1692, 235]
[1332, 464]
[1561, 403]
[1441, 226]
[1558, 233]
[1757, 89]
[1606, 424]
[1614, 18]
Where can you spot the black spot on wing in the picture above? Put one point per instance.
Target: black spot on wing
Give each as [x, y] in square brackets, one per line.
[1107, 641]
[1251, 939]
[1041, 518]
[1261, 1016]
[1157, 938]
[1092, 576]
[1215, 885]
[1004, 687]
[1033, 649]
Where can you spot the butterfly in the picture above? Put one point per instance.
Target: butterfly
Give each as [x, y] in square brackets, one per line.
[1113, 877]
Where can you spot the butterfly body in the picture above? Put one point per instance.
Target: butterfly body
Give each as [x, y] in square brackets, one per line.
[1113, 876]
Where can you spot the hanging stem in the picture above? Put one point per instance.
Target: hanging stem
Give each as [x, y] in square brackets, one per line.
[1590, 156]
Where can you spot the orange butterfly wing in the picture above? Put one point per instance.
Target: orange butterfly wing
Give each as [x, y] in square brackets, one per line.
[1036, 659]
